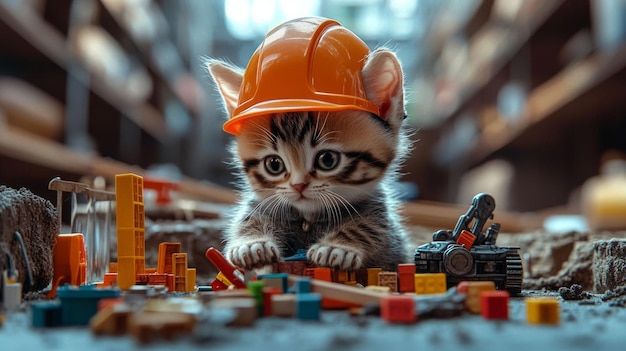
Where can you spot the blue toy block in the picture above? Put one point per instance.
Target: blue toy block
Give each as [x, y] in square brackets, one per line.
[204, 288]
[308, 306]
[78, 305]
[279, 280]
[302, 286]
[46, 314]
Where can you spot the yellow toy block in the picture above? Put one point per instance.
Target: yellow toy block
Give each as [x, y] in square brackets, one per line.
[430, 283]
[372, 275]
[191, 279]
[472, 292]
[126, 272]
[542, 310]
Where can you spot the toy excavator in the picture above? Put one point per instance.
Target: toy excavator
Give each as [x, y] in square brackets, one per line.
[466, 254]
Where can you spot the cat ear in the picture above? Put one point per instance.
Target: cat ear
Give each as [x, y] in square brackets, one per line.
[384, 85]
[228, 79]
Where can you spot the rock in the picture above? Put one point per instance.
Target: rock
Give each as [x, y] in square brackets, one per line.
[36, 220]
[609, 265]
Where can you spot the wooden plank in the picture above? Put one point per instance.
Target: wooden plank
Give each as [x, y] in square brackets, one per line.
[342, 292]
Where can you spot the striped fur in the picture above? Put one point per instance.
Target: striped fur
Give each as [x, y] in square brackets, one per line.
[320, 181]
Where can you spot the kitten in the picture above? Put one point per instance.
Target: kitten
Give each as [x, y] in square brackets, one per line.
[321, 180]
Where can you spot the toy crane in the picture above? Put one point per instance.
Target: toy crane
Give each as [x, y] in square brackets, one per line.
[466, 254]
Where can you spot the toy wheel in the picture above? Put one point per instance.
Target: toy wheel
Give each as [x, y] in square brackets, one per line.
[514, 272]
[457, 260]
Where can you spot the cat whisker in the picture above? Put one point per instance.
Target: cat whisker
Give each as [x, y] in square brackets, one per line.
[342, 200]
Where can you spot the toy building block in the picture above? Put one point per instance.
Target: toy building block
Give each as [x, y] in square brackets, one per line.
[350, 294]
[11, 293]
[494, 304]
[109, 302]
[112, 320]
[245, 309]
[148, 326]
[430, 283]
[78, 305]
[372, 275]
[268, 292]
[406, 277]
[277, 280]
[466, 239]
[46, 314]
[179, 261]
[191, 280]
[472, 290]
[70, 261]
[166, 249]
[308, 306]
[542, 311]
[231, 272]
[284, 305]
[325, 274]
[398, 309]
[110, 279]
[130, 219]
[342, 276]
[389, 279]
[302, 285]
[256, 289]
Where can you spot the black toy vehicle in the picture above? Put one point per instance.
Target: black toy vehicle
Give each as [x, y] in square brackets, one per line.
[483, 261]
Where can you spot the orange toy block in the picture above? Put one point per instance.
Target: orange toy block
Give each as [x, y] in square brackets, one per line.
[179, 261]
[166, 249]
[191, 279]
[325, 274]
[69, 259]
[372, 275]
[472, 290]
[268, 292]
[466, 239]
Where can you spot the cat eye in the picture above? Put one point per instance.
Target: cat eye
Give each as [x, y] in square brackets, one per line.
[274, 165]
[327, 160]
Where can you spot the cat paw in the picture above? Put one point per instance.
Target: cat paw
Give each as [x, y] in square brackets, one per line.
[253, 254]
[335, 257]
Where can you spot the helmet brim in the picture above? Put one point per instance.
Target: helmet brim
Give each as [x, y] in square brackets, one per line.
[235, 124]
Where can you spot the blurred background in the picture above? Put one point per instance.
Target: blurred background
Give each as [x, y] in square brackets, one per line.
[521, 99]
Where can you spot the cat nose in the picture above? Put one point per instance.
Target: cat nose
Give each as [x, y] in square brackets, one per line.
[299, 187]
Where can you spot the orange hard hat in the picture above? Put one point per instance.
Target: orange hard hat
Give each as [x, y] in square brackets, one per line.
[306, 64]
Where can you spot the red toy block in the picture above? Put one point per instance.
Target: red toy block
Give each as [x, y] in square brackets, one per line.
[268, 292]
[406, 277]
[494, 304]
[466, 239]
[398, 309]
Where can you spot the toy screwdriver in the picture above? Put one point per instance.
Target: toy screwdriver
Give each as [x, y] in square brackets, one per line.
[230, 272]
